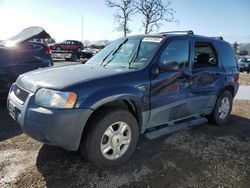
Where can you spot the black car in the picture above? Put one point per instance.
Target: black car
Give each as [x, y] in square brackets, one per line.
[144, 84]
[244, 64]
[19, 54]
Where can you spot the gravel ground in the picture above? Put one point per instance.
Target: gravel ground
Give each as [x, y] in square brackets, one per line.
[205, 156]
[244, 79]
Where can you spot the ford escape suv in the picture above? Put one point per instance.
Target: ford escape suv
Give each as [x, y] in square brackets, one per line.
[144, 84]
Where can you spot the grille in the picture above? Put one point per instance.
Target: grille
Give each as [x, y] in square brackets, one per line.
[20, 93]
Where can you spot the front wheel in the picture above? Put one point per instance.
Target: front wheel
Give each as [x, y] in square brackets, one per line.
[111, 138]
[73, 57]
[222, 109]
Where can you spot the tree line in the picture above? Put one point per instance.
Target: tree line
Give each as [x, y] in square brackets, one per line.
[239, 52]
[154, 13]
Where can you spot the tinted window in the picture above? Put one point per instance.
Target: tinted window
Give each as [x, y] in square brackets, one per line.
[205, 55]
[66, 42]
[177, 51]
[228, 56]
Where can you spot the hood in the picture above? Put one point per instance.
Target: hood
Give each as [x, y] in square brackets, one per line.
[26, 35]
[60, 77]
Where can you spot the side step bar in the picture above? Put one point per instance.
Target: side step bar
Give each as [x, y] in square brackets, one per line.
[174, 128]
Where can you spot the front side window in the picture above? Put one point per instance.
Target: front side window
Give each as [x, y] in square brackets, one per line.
[177, 51]
[66, 42]
[205, 55]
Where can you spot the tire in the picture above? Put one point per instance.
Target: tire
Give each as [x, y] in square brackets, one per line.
[74, 57]
[97, 137]
[220, 117]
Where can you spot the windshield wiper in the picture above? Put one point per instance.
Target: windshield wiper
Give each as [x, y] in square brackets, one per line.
[113, 53]
[134, 56]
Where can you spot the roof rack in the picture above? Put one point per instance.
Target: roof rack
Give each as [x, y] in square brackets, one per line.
[189, 32]
[220, 38]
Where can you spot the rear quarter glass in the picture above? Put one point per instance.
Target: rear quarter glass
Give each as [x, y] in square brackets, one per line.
[227, 55]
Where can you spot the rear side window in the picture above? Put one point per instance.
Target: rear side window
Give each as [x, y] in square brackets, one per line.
[177, 51]
[205, 55]
[228, 56]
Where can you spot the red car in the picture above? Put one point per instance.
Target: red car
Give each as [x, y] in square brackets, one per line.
[69, 45]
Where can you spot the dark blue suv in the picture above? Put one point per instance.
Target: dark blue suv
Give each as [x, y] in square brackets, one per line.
[145, 84]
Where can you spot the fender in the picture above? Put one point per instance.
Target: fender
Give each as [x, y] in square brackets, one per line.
[128, 93]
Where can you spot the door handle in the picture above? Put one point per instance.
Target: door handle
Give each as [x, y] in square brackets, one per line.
[142, 88]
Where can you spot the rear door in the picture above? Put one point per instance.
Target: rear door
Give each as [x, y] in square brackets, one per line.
[64, 45]
[73, 45]
[208, 76]
[170, 89]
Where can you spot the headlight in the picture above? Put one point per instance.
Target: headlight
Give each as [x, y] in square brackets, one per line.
[55, 99]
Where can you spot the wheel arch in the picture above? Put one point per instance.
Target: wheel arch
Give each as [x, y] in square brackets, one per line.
[229, 88]
[126, 104]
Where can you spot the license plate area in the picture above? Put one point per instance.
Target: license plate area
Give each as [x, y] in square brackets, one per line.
[12, 110]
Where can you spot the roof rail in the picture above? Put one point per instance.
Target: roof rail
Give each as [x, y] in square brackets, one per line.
[189, 32]
[219, 38]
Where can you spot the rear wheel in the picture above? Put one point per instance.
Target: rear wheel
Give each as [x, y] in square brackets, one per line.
[222, 109]
[111, 138]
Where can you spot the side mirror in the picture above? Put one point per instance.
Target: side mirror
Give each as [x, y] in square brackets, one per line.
[168, 66]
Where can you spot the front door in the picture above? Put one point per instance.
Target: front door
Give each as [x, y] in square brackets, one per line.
[170, 89]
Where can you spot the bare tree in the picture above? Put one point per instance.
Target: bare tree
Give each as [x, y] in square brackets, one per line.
[235, 47]
[154, 13]
[125, 8]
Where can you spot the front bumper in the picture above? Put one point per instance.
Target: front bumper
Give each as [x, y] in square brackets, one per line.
[58, 127]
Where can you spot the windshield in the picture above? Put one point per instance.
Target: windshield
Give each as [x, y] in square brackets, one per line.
[127, 53]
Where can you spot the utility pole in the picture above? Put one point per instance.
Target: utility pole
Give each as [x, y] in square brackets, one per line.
[82, 30]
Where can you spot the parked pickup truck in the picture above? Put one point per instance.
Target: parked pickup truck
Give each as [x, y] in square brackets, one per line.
[145, 84]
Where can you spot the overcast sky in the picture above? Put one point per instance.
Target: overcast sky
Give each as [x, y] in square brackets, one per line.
[63, 19]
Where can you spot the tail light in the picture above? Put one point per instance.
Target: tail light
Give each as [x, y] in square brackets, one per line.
[47, 51]
[236, 77]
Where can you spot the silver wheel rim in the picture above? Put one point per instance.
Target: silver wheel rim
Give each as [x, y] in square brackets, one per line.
[224, 108]
[115, 140]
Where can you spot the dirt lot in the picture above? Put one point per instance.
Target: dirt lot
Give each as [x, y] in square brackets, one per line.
[244, 79]
[205, 156]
